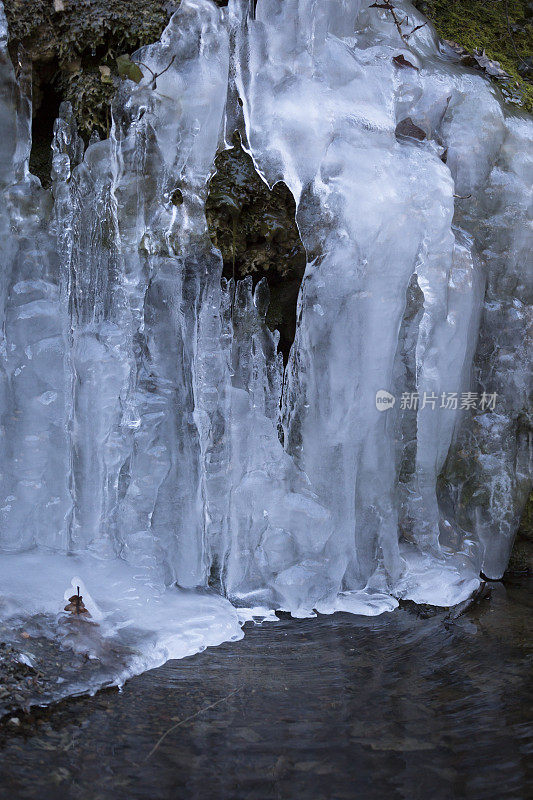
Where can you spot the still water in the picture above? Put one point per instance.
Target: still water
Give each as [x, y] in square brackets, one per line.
[411, 705]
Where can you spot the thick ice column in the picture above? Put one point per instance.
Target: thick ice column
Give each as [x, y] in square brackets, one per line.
[33, 453]
[488, 475]
[35, 463]
[97, 333]
[351, 308]
[277, 528]
[485, 482]
[452, 289]
[15, 112]
[370, 210]
[168, 136]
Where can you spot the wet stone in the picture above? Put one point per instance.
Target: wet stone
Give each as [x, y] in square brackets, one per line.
[406, 129]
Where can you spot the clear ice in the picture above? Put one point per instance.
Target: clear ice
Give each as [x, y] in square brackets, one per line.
[152, 442]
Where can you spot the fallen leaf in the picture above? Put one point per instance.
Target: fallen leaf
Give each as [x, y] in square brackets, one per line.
[129, 69]
[401, 61]
[491, 67]
[76, 605]
[457, 48]
[406, 129]
[478, 59]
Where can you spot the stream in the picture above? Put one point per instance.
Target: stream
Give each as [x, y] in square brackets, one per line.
[409, 706]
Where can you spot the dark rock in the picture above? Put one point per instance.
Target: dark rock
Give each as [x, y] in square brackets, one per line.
[176, 198]
[421, 610]
[483, 592]
[521, 561]
[255, 230]
[406, 129]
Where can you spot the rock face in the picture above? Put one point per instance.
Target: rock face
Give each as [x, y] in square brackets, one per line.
[255, 230]
[73, 46]
[521, 560]
[148, 419]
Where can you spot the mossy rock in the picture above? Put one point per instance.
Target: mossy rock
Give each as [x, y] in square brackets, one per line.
[521, 561]
[526, 523]
[74, 45]
[255, 230]
[502, 28]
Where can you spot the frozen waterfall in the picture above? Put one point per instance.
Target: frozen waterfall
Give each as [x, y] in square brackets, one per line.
[153, 446]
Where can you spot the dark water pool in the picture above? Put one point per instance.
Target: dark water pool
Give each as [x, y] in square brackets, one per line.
[399, 707]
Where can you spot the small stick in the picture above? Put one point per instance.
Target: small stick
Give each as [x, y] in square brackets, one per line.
[387, 5]
[415, 29]
[157, 75]
[187, 719]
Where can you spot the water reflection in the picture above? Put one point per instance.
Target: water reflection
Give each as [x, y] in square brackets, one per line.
[401, 706]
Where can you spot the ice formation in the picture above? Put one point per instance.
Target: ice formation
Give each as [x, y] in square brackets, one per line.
[149, 430]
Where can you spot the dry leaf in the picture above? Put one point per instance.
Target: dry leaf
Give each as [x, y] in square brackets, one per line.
[401, 61]
[76, 605]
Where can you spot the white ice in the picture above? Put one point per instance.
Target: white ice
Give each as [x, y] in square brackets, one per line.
[141, 398]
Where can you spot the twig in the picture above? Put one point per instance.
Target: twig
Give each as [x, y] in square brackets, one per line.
[148, 68]
[415, 29]
[387, 5]
[156, 75]
[188, 719]
[166, 68]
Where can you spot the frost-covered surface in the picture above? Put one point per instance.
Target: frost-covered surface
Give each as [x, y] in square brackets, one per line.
[141, 398]
[134, 624]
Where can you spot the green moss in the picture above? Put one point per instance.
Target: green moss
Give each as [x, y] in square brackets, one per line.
[90, 99]
[79, 39]
[503, 28]
[256, 232]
